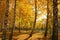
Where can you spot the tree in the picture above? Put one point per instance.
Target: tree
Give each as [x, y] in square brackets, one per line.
[11, 35]
[47, 19]
[34, 20]
[55, 20]
[19, 23]
[6, 20]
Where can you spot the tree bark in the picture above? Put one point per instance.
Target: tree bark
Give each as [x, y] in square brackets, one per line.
[13, 27]
[55, 20]
[34, 20]
[6, 20]
[47, 19]
[19, 23]
[19, 27]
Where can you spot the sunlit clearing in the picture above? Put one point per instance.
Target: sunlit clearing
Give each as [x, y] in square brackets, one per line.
[41, 17]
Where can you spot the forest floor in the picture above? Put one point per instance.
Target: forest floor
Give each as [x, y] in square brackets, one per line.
[35, 36]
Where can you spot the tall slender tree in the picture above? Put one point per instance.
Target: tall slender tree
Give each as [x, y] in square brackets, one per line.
[6, 20]
[1, 25]
[13, 27]
[19, 23]
[47, 19]
[35, 17]
[34, 20]
[0, 20]
[55, 20]
[0, 15]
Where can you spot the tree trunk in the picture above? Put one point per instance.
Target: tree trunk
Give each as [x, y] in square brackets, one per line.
[55, 20]
[47, 19]
[19, 27]
[13, 27]
[34, 20]
[5, 21]
[1, 22]
[19, 23]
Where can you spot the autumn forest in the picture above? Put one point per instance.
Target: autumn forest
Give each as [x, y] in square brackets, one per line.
[29, 19]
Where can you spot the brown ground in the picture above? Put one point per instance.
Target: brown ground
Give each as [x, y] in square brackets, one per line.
[35, 36]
